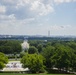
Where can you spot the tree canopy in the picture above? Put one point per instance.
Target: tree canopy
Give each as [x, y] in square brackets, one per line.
[34, 62]
[32, 50]
[3, 60]
[10, 47]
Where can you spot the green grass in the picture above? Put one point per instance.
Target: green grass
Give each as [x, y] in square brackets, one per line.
[31, 74]
[15, 59]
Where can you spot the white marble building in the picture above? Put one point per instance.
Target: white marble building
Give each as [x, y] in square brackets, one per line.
[25, 45]
[14, 66]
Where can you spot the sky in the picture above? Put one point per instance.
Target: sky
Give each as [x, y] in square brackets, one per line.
[37, 17]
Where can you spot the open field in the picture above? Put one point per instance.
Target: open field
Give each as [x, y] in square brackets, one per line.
[31, 74]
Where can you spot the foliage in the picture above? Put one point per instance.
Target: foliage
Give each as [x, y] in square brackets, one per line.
[32, 50]
[47, 53]
[40, 47]
[10, 47]
[2, 65]
[34, 62]
[57, 54]
[3, 60]
[22, 54]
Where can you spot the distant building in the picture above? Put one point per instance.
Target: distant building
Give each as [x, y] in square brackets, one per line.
[48, 33]
[25, 45]
[14, 66]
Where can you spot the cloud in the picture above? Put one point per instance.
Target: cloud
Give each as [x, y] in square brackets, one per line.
[13, 26]
[41, 8]
[29, 8]
[9, 2]
[63, 1]
[74, 0]
[21, 16]
[61, 29]
[7, 18]
[58, 1]
[2, 9]
[57, 27]
[37, 7]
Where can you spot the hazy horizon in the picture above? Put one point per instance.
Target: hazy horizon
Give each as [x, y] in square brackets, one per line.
[37, 17]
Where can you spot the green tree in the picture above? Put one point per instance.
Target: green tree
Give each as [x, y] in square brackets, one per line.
[72, 44]
[34, 62]
[40, 47]
[3, 60]
[22, 54]
[47, 53]
[61, 58]
[10, 47]
[5, 49]
[72, 60]
[32, 50]
[2, 65]
[33, 43]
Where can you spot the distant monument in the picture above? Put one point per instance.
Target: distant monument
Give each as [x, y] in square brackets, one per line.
[25, 45]
[49, 33]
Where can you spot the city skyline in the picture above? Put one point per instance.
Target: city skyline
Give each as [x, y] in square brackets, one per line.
[37, 17]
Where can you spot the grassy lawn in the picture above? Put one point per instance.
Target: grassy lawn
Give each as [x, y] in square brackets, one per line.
[31, 74]
[15, 59]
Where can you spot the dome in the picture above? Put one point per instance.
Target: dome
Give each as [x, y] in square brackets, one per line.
[25, 45]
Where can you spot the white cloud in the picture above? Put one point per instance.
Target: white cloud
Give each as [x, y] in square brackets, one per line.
[7, 18]
[59, 1]
[74, 0]
[62, 1]
[9, 1]
[41, 8]
[68, 0]
[61, 29]
[28, 16]
[36, 6]
[21, 3]
[12, 16]
[2, 9]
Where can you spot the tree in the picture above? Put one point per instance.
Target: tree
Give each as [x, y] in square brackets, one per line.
[72, 60]
[15, 46]
[3, 60]
[61, 58]
[40, 47]
[22, 54]
[5, 49]
[34, 62]
[9, 47]
[33, 43]
[72, 44]
[47, 53]
[2, 65]
[32, 50]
